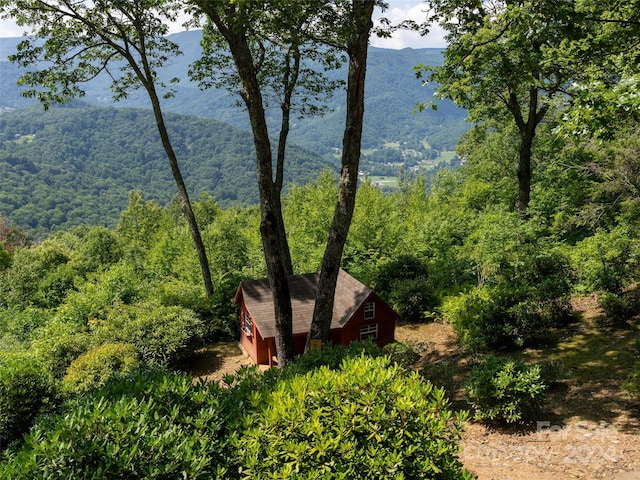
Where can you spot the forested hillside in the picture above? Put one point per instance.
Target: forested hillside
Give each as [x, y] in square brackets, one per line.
[77, 164]
[392, 132]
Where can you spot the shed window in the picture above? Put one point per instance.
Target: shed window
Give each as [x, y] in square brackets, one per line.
[369, 311]
[369, 331]
[246, 327]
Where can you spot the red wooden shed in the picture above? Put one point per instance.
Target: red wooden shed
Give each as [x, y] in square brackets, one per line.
[358, 314]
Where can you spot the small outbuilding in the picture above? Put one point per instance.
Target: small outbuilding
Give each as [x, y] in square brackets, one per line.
[358, 314]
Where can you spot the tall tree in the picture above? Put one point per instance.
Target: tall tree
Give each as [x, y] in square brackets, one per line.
[295, 32]
[267, 42]
[74, 42]
[505, 60]
[354, 27]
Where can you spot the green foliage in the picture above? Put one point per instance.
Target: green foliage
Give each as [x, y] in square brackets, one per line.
[58, 343]
[93, 368]
[118, 284]
[605, 261]
[22, 323]
[505, 390]
[26, 390]
[332, 356]
[38, 276]
[404, 283]
[523, 286]
[632, 383]
[616, 307]
[368, 419]
[149, 424]
[162, 335]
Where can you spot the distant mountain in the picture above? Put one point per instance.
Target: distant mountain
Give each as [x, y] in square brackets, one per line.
[73, 164]
[392, 92]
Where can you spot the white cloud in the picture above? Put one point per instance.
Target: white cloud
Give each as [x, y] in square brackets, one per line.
[8, 28]
[398, 11]
[415, 10]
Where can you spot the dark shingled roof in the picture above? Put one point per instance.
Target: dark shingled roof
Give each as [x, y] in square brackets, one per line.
[350, 295]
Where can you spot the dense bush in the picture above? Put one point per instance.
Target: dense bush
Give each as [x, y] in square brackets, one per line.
[513, 311]
[93, 368]
[26, 390]
[505, 390]
[147, 425]
[120, 283]
[161, 334]
[367, 420]
[404, 283]
[616, 307]
[58, 343]
[22, 323]
[605, 261]
[31, 267]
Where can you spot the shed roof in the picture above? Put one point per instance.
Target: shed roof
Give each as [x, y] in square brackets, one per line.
[350, 295]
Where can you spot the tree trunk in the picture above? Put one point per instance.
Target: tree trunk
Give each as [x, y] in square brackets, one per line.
[185, 202]
[351, 143]
[524, 173]
[274, 242]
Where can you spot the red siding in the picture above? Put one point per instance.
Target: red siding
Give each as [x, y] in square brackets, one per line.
[263, 350]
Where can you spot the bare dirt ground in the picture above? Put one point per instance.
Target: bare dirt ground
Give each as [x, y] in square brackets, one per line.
[589, 429]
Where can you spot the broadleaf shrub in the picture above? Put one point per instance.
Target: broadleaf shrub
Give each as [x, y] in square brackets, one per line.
[513, 312]
[161, 334]
[92, 369]
[150, 424]
[26, 390]
[605, 261]
[369, 419]
[506, 391]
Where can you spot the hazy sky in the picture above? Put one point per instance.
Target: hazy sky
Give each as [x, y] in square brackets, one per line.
[398, 10]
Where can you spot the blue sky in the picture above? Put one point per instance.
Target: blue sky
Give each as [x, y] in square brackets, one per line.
[398, 10]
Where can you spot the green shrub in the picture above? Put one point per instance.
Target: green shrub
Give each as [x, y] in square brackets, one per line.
[505, 390]
[119, 284]
[26, 391]
[22, 323]
[605, 261]
[162, 335]
[404, 283]
[616, 307]
[58, 343]
[149, 424]
[632, 382]
[504, 315]
[401, 353]
[93, 368]
[369, 419]
[24, 282]
[331, 356]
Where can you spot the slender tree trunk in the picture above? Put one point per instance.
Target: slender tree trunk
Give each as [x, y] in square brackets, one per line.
[276, 249]
[524, 173]
[527, 129]
[351, 144]
[185, 202]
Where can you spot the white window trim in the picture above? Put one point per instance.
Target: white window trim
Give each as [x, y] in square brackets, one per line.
[369, 331]
[246, 326]
[369, 311]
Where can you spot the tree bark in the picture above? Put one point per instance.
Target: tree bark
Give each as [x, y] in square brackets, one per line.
[351, 144]
[185, 202]
[276, 250]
